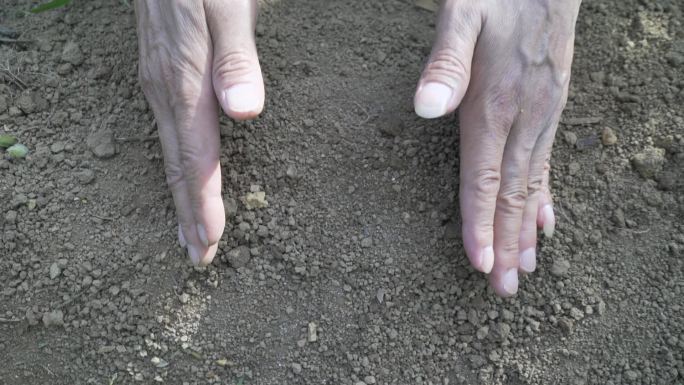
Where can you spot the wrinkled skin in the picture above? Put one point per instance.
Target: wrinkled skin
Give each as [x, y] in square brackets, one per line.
[506, 64]
[195, 55]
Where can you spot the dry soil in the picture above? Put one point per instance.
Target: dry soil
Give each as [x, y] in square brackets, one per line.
[354, 273]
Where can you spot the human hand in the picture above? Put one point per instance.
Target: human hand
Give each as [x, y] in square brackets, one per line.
[193, 53]
[507, 65]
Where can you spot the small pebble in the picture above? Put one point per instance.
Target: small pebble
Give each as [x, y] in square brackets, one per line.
[255, 200]
[239, 256]
[608, 137]
[55, 270]
[649, 162]
[367, 242]
[313, 332]
[566, 325]
[560, 267]
[53, 318]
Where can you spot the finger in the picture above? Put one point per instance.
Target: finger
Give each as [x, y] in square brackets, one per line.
[196, 203]
[447, 73]
[546, 218]
[186, 112]
[510, 206]
[484, 128]
[527, 152]
[528, 235]
[237, 78]
[536, 186]
[199, 180]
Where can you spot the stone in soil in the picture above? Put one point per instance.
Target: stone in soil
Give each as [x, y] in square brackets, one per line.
[238, 257]
[230, 207]
[255, 200]
[53, 318]
[367, 242]
[313, 332]
[72, 54]
[25, 103]
[649, 162]
[101, 143]
[560, 267]
[55, 270]
[608, 137]
[566, 325]
[85, 176]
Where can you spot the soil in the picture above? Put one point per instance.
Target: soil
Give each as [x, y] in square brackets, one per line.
[355, 272]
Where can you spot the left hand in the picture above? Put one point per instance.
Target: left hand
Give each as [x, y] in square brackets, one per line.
[507, 65]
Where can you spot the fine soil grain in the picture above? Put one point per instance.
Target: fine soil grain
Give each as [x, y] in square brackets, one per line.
[353, 272]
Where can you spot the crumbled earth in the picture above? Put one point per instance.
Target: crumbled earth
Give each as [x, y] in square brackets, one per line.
[354, 271]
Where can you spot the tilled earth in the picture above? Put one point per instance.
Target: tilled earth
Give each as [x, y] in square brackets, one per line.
[354, 273]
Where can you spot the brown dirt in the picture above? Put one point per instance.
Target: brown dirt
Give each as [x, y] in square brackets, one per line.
[361, 234]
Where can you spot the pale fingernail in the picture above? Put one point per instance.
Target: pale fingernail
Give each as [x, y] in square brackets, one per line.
[193, 253]
[528, 260]
[549, 221]
[202, 234]
[432, 100]
[241, 98]
[509, 281]
[487, 259]
[181, 237]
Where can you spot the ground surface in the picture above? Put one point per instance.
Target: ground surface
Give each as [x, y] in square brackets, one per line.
[360, 240]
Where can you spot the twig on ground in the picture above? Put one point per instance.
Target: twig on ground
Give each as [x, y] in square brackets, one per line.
[48, 370]
[365, 111]
[101, 217]
[12, 77]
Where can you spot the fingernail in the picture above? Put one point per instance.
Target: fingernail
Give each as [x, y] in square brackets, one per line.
[241, 98]
[181, 237]
[549, 221]
[510, 281]
[193, 253]
[202, 234]
[528, 260]
[432, 100]
[487, 259]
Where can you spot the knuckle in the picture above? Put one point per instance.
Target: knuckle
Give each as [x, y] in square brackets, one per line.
[174, 175]
[169, 76]
[185, 93]
[447, 63]
[467, 12]
[146, 77]
[534, 184]
[232, 64]
[487, 182]
[509, 248]
[500, 109]
[512, 199]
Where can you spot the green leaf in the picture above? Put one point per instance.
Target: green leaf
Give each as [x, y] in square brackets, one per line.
[7, 140]
[17, 151]
[50, 5]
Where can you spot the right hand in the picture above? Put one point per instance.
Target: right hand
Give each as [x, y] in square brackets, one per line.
[193, 53]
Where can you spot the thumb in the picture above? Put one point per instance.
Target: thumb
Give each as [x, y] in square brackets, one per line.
[446, 76]
[237, 78]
